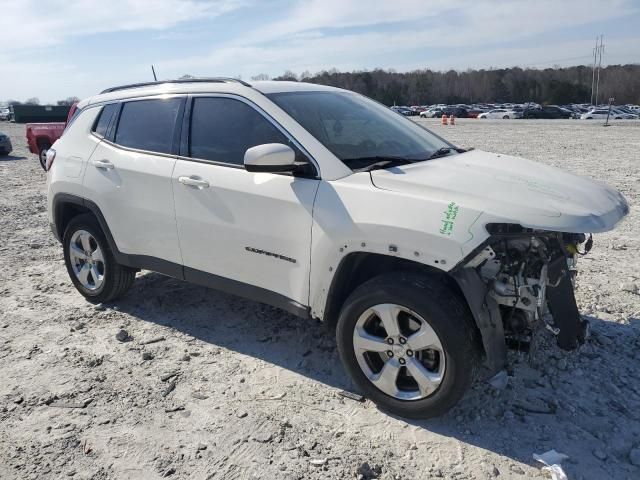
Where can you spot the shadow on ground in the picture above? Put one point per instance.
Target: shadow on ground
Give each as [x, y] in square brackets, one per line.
[9, 158]
[542, 408]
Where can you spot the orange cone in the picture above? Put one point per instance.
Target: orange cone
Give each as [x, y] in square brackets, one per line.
[444, 119]
[452, 120]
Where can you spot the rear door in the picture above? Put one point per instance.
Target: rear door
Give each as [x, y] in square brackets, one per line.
[129, 177]
[246, 233]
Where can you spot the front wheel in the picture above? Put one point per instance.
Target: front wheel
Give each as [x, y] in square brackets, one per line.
[506, 117]
[90, 262]
[407, 342]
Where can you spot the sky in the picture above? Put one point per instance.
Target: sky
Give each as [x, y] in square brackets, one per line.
[54, 49]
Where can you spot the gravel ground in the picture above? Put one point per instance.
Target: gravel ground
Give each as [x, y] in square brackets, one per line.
[210, 386]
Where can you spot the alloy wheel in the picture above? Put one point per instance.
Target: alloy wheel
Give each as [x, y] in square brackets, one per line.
[87, 260]
[399, 352]
[43, 158]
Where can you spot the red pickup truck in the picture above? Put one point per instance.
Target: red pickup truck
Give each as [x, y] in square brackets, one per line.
[40, 136]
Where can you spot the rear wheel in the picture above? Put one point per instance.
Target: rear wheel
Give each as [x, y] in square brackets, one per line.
[407, 342]
[506, 117]
[90, 262]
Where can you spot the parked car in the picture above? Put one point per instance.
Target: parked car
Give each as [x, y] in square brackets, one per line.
[431, 113]
[546, 112]
[5, 114]
[474, 112]
[222, 183]
[407, 112]
[5, 144]
[457, 112]
[500, 113]
[621, 113]
[603, 113]
[40, 136]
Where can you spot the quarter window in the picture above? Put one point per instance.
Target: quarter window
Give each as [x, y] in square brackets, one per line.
[105, 119]
[222, 129]
[148, 124]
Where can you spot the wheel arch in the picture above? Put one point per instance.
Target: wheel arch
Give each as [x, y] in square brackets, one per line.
[66, 207]
[359, 267]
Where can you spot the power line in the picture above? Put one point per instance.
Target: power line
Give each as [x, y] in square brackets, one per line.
[556, 60]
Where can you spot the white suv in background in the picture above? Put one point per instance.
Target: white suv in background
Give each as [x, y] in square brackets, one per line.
[426, 259]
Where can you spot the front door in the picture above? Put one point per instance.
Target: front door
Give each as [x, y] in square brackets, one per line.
[246, 233]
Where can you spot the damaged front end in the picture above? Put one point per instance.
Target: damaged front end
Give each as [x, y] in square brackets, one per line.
[514, 278]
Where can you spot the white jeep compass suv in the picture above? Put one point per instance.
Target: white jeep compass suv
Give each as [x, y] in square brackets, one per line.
[428, 260]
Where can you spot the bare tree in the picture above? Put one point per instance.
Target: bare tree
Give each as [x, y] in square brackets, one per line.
[32, 101]
[288, 75]
[68, 101]
[260, 76]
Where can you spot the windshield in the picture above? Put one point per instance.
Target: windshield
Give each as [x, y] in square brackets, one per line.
[356, 129]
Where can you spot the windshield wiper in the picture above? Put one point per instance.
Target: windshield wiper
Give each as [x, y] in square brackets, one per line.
[441, 152]
[377, 161]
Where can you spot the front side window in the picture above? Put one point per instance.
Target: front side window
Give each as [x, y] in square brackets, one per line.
[148, 124]
[358, 130]
[222, 129]
[105, 119]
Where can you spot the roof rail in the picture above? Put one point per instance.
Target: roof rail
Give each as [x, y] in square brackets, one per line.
[179, 80]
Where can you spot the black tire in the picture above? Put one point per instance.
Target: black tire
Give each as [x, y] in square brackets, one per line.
[446, 314]
[42, 155]
[117, 278]
[506, 117]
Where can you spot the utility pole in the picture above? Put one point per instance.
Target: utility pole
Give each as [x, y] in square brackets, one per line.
[593, 70]
[600, 52]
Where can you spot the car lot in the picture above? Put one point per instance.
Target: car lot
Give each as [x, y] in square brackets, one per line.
[255, 390]
[528, 110]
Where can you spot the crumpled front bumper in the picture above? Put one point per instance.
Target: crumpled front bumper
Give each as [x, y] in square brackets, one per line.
[561, 301]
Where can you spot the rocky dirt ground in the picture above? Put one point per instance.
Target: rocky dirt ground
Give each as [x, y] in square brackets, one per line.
[210, 386]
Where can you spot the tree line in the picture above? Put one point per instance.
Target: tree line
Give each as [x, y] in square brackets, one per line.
[36, 101]
[559, 85]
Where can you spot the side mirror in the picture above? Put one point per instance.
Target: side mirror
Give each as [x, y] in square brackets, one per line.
[270, 157]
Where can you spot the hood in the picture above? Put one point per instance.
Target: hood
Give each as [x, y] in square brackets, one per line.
[511, 189]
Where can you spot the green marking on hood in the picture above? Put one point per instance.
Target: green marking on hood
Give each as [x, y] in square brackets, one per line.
[448, 218]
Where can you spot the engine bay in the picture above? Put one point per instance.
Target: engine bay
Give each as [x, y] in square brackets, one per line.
[528, 274]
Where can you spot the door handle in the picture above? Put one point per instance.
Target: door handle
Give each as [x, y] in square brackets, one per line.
[194, 181]
[104, 164]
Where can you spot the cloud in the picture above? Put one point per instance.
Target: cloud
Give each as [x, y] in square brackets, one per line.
[269, 37]
[43, 23]
[317, 35]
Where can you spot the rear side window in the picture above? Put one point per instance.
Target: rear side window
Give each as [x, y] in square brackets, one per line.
[222, 129]
[105, 119]
[148, 124]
